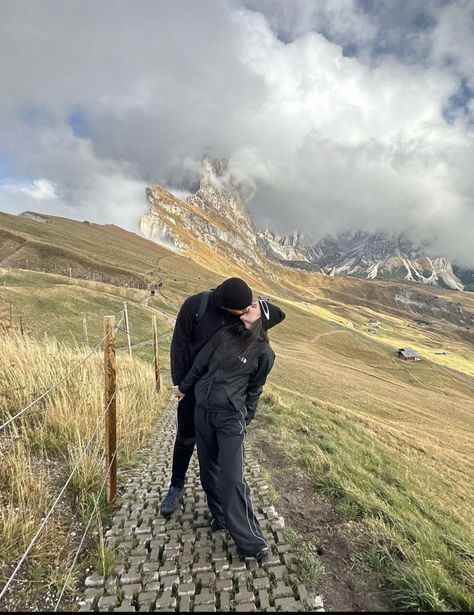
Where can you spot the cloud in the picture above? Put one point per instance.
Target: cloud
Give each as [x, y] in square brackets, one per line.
[39, 190]
[335, 115]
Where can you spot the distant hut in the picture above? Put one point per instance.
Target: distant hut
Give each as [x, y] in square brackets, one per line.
[423, 323]
[408, 354]
[374, 321]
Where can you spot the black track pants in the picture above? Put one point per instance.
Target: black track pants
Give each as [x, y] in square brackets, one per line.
[185, 440]
[220, 445]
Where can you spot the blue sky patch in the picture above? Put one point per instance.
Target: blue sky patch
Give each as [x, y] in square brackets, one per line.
[4, 166]
[458, 102]
[77, 120]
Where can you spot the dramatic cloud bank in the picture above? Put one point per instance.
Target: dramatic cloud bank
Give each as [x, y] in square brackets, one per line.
[334, 115]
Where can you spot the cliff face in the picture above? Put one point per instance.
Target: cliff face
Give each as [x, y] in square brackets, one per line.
[216, 216]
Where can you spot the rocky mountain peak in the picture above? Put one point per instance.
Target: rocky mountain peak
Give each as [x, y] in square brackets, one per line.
[219, 192]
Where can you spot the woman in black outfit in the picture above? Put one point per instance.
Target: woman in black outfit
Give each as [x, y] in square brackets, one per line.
[229, 374]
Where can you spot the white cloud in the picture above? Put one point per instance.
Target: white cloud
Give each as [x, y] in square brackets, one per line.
[41, 190]
[99, 107]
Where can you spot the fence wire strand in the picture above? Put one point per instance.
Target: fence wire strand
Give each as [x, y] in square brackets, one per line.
[83, 456]
[55, 386]
[56, 501]
[78, 551]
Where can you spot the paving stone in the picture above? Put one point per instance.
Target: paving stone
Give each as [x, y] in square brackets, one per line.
[152, 586]
[204, 567]
[281, 590]
[279, 572]
[125, 607]
[146, 600]
[186, 589]
[263, 600]
[166, 560]
[244, 596]
[92, 595]
[261, 583]
[131, 578]
[302, 593]
[205, 597]
[224, 585]
[165, 603]
[130, 590]
[94, 580]
[272, 560]
[288, 605]
[185, 604]
[150, 567]
[168, 568]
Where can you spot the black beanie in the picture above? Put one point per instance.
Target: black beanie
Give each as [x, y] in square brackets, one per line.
[234, 294]
[271, 314]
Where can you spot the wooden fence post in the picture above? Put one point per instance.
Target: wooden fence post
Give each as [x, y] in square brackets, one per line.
[21, 326]
[157, 359]
[86, 335]
[10, 315]
[111, 405]
[127, 327]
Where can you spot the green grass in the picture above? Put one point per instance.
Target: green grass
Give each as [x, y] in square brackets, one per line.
[308, 568]
[424, 552]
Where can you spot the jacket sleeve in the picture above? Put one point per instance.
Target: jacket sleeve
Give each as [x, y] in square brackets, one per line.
[200, 364]
[265, 364]
[180, 343]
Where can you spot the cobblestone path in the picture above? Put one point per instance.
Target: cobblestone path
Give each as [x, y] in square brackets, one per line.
[178, 564]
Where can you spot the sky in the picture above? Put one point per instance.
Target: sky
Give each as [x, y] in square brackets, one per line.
[334, 115]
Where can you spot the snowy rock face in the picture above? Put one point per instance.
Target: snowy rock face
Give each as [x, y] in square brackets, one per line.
[373, 256]
[217, 216]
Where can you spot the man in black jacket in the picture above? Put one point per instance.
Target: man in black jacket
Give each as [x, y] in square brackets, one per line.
[199, 318]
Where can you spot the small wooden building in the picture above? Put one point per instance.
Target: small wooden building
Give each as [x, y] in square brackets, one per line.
[408, 354]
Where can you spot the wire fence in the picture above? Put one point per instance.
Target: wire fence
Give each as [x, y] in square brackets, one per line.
[105, 416]
[56, 501]
[89, 523]
[56, 385]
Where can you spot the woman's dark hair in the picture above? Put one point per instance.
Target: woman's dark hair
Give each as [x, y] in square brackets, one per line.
[244, 338]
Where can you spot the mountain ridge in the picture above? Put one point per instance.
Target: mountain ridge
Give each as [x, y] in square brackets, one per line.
[217, 216]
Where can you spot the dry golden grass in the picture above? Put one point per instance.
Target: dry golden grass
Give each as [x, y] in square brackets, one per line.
[40, 449]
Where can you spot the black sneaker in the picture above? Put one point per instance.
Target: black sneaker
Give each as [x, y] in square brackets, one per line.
[262, 553]
[171, 501]
[216, 526]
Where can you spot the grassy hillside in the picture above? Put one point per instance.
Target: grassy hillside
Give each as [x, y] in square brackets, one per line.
[389, 442]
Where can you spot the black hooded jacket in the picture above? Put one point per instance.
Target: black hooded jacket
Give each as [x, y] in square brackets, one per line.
[227, 380]
[190, 333]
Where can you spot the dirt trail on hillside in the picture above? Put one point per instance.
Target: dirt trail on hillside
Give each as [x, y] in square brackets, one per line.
[169, 317]
[348, 586]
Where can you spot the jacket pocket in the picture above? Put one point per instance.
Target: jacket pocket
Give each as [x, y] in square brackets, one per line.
[237, 403]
